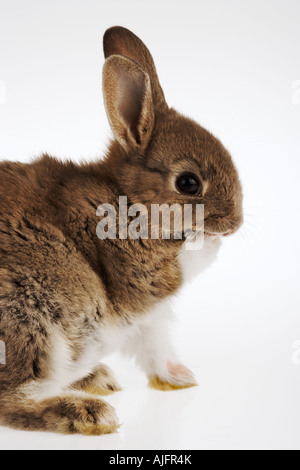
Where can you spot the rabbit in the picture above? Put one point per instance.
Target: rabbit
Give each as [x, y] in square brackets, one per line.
[69, 298]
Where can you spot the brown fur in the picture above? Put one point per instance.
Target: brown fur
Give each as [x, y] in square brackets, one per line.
[100, 382]
[56, 273]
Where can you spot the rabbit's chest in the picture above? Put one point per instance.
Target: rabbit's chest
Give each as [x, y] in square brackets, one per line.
[195, 259]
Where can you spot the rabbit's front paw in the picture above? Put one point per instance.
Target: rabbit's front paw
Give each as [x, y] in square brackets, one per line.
[77, 415]
[100, 382]
[179, 377]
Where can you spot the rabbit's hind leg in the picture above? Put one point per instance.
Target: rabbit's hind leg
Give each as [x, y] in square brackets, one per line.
[33, 385]
[66, 414]
[100, 382]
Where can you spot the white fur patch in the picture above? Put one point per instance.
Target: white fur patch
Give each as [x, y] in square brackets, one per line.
[63, 370]
[196, 261]
[151, 345]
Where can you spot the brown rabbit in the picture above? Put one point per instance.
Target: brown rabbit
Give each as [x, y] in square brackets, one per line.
[68, 298]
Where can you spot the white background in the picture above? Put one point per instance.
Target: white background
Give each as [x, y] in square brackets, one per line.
[230, 65]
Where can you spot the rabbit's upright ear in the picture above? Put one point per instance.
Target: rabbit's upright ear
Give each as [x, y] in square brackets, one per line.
[121, 41]
[128, 101]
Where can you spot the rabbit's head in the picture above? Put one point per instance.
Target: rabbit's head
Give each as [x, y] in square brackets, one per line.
[160, 156]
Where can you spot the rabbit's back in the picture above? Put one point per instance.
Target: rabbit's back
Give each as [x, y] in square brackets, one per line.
[47, 288]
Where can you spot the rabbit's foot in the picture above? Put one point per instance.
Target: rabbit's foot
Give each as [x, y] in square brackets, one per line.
[179, 377]
[77, 415]
[67, 414]
[100, 382]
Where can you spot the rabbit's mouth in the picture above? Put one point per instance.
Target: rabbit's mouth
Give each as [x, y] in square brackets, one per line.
[216, 234]
[194, 235]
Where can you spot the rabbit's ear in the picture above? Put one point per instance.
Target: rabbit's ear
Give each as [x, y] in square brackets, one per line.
[121, 41]
[128, 102]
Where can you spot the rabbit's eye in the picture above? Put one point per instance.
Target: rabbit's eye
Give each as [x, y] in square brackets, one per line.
[188, 183]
